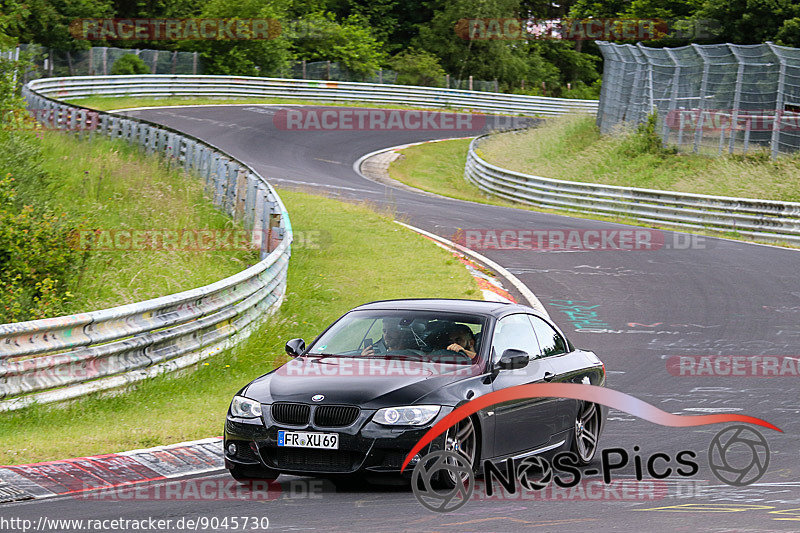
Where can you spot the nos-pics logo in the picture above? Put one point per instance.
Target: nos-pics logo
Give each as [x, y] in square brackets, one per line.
[443, 481]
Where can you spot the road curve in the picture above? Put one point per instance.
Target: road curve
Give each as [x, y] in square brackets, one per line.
[718, 297]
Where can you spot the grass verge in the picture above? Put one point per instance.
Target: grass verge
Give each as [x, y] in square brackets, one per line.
[112, 186]
[357, 255]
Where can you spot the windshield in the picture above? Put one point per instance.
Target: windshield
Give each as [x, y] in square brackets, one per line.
[423, 335]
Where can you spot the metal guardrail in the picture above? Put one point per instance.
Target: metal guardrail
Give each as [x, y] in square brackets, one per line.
[69, 356]
[760, 220]
[232, 87]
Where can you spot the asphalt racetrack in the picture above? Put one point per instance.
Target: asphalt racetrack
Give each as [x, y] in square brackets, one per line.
[715, 297]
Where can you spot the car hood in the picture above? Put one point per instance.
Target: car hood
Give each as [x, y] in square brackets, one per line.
[369, 383]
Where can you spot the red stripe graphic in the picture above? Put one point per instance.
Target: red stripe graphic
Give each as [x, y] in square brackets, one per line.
[589, 393]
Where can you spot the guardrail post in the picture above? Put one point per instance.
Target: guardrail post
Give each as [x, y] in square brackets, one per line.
[231, 174]
[250, 202]
[141, 137]
[60, 117]
[79, 119]
[188, 155]
[153, 138]
[241, 193]
[172, 147]
[180, 151]
[208, 170]
[220, 171]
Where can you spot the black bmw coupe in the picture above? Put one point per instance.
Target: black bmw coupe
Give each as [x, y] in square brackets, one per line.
[363, 393]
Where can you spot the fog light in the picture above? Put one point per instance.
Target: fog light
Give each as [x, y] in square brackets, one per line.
[415, 459]
[231, 449]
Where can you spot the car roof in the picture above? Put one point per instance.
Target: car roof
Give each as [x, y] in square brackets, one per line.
[447, 304]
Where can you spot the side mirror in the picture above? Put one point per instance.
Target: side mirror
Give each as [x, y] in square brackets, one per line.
[295, 347]
[512, 359]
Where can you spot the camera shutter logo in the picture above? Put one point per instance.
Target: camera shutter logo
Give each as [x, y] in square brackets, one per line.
[738, 455]
[534, 473]
[435, 467]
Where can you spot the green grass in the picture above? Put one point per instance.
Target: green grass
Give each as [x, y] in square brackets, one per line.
[357, 256]
[438, 168]
[571, 148]
[111, 186]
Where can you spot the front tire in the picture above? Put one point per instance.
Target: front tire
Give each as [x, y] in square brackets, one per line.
[462, 439]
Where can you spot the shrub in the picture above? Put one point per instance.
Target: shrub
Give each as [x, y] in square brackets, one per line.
[129, 64]
[36, 259]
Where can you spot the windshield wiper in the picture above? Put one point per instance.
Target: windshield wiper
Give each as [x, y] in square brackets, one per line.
[320, 356]
[390, 356]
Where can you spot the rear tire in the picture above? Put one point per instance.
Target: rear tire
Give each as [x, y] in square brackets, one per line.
[586, 432]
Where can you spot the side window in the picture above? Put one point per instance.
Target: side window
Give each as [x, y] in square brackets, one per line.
[550, 341]
[514, 331]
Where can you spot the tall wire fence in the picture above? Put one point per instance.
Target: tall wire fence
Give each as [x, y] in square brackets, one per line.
[99, 61]
[328, 70]
[709, 99]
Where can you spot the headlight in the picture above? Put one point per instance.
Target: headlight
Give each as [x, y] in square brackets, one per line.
[242, 407]
[414, 415]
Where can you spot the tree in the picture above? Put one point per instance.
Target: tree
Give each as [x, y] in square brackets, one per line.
[319, 37]
[417, 67]
[46, 22]
[789, 33]
[393, 22]
[482, 58]
[246, 57]
[749, 21]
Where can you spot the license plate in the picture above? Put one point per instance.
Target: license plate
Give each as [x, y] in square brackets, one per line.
[301, 439]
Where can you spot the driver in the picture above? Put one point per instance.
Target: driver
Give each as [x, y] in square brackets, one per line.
[394, 338]
[461, 339]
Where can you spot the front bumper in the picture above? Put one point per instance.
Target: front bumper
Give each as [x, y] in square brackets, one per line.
[364, 446]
